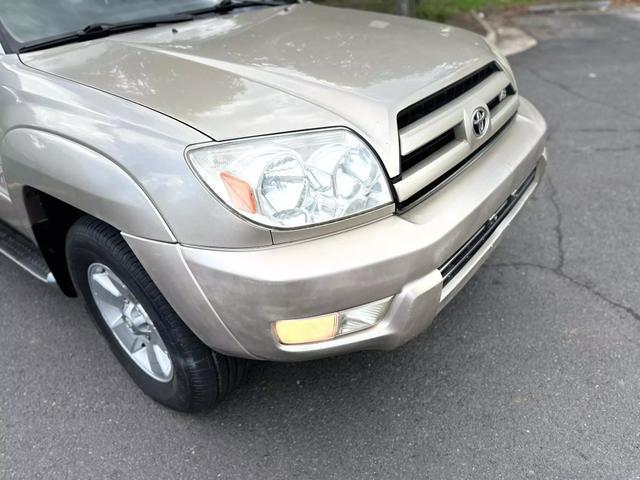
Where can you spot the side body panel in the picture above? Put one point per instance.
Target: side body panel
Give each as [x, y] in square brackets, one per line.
[8, 213]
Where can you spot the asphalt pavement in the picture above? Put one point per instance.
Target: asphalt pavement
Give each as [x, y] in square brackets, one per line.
[533, 371]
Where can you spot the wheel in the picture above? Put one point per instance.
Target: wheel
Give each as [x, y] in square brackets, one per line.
[165, 359]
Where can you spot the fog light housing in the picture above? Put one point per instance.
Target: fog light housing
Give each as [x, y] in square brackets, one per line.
[332, 325]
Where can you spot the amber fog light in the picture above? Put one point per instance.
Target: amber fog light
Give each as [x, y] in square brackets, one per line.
[327, 327]
[307, 330]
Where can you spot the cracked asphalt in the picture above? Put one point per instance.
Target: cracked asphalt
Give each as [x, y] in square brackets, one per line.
[531, 372]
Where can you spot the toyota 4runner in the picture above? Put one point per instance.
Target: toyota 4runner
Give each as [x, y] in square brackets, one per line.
[223, 180]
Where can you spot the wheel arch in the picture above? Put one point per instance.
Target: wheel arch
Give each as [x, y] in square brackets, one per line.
[53, 180]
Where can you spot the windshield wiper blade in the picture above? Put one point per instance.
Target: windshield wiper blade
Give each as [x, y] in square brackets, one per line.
[99, 30]
[227, 5]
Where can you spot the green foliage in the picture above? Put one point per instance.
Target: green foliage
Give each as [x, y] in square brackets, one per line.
[440, 10]
[383, 6]
[437, 10]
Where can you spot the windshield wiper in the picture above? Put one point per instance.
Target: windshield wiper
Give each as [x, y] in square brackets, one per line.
[99, 30]
[227, 5]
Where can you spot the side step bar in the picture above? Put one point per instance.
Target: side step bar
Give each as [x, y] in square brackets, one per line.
[24, 253]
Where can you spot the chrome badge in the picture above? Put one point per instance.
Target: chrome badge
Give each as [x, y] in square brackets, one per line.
[480, 121]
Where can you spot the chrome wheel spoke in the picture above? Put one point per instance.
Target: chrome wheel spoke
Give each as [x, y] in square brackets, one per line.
[158, 351]
[103, 288]
[104, 281]
[154, 339]
[154, 361]
[130, 323]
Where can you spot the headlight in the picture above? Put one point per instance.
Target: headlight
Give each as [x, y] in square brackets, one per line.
[294, 180]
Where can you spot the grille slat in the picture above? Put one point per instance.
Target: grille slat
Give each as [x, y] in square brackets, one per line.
[439, 99]
[427, 149]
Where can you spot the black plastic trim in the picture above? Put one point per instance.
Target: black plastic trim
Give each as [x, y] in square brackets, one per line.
[424, 107]
[459, 259]
[418, 155]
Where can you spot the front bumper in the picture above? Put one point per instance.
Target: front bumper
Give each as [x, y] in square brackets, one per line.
[230, 298]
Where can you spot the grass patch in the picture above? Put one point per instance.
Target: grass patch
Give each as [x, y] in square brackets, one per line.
[437, 10]
[382, 6]
[441, 10]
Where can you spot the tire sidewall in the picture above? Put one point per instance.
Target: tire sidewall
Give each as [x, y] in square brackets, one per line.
[83, 252]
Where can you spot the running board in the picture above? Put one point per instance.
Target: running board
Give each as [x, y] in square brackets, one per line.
[24, 253]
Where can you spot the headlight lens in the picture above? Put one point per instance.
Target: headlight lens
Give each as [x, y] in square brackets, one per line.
[294, 180]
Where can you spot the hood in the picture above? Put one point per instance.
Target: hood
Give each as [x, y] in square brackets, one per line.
[277, 69]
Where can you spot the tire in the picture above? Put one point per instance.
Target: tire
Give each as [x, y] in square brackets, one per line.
[178, 370]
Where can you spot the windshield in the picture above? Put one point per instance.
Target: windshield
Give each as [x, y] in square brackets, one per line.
[32, 20]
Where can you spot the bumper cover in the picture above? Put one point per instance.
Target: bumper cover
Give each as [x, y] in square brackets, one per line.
[231, 297]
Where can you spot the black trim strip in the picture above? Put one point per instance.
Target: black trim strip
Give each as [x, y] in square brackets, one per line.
[424, 107]
[459, 259]
[429, 148]
[9, 45]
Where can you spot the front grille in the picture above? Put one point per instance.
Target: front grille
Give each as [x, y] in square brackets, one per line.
[449, 174]
[436, 137]
[439, 99]
[459, 259]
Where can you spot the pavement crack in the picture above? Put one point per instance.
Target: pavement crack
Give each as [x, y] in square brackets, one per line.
[558, 226]
[591, 289]
[605, 130]
[581, 96]
[584, 285]
[520, 265]
[630, 148]
[559, 268]
[580, 453]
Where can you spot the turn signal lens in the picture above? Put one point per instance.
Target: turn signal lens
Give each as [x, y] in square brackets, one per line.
[314, 329]
[326, 327]
[240, 192]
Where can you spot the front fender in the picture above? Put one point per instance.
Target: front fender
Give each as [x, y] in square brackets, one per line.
[81, 177]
